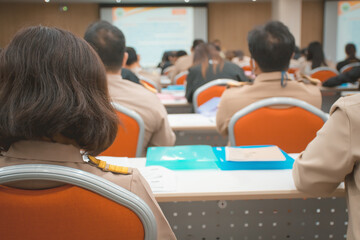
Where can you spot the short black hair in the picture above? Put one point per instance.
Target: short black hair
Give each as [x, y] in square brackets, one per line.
[181, 53]
[350, 49]
[132, 58]
[109, 42]
[272, 46]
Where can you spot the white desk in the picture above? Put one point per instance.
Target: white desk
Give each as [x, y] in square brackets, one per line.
[194, 128]
[191, 121]
[215, 204]
[175, 101]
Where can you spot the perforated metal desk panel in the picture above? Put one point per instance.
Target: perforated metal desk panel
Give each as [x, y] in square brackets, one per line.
[249, 205]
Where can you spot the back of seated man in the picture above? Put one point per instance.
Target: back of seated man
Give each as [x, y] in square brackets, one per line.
[271, 47]
[183, 63]
[109, 43]
[350, 51]
[133, 64]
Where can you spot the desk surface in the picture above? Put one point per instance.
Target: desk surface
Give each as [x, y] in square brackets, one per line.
[201, 185]
[191, 121]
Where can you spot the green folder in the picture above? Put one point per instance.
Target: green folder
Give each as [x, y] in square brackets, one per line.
[189, 157]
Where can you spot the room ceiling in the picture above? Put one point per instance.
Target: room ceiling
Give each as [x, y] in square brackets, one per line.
[136, 1]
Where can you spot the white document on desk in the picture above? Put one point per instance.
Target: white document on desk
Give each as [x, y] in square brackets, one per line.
[159, 178]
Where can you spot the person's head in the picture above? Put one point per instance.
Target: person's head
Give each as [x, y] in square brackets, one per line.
[239, 54]
[350, 50]
[229, 55]
[132, 56]
[195, 43]
[109, 42]
[217, 44]
[205, 54]
[315, 54]
[181, 53]
[271, 46]
[53, 86]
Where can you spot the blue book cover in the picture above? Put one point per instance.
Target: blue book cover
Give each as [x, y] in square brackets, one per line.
[190, 157]
[223, 164]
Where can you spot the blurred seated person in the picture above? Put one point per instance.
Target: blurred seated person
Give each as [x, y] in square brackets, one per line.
[133, 64]
[240, 59]
[183, 63]
[208, 66]
[350, 50]
[217, 44]
[332, 158]
[168, 60]
[109, 42]
[315, 58]
[350, 76]
[180, 53]
[271, 47]
[59, 112]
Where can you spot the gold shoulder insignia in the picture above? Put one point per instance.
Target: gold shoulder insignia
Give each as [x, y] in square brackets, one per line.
[103, 165]
[311, 80]
[148, 87]
[236, 84]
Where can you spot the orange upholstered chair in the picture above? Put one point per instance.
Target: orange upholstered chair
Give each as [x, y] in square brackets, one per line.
[180, 78]
[210, 90]
[86, 207]
[247, 68]
[149, 84]
[349, 66]
[323, 73]
[291, 127]
[130, 136]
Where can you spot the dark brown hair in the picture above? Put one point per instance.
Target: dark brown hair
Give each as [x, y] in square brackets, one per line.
[53, 83]
[206, 54]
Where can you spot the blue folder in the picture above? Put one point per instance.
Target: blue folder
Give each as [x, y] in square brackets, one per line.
[175, 87]
[190, 157]
[195, 157]
[265, 165]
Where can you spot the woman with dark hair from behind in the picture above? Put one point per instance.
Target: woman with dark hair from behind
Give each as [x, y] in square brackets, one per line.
[315, 58]
[55, 109]
[208, 66]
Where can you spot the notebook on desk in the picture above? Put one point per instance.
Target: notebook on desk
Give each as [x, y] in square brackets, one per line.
[264, 157]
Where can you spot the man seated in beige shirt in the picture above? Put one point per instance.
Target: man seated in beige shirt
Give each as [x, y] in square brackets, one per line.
[133, 64]
[271, 47]
[109, 43]
[183, 63]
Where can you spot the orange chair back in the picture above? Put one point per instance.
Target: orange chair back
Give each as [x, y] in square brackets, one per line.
[148, 85]
[293, 70]
[291, 128]
[181, 80]
[247, 68]
[66, 212]
[209, 93]
[126, 141]
[323, 75]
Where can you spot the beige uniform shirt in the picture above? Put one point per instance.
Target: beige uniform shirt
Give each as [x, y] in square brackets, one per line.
[181, 65]
[39, 152]
[266, 85]
[334, 156]
[148, 106]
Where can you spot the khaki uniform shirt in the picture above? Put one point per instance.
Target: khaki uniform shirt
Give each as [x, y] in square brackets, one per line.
[266, 85]
[148, 106]
[40, 152]
[181, 65]
[334, 156]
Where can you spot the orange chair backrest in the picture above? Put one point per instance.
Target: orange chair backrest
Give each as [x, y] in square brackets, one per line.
[323, 75]
[209, 93]
[347, 69]
[125, 143]
[290, 128]
[181, 80]
[148, 85]
[293, 70]
[66, 212]
[247, 68]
